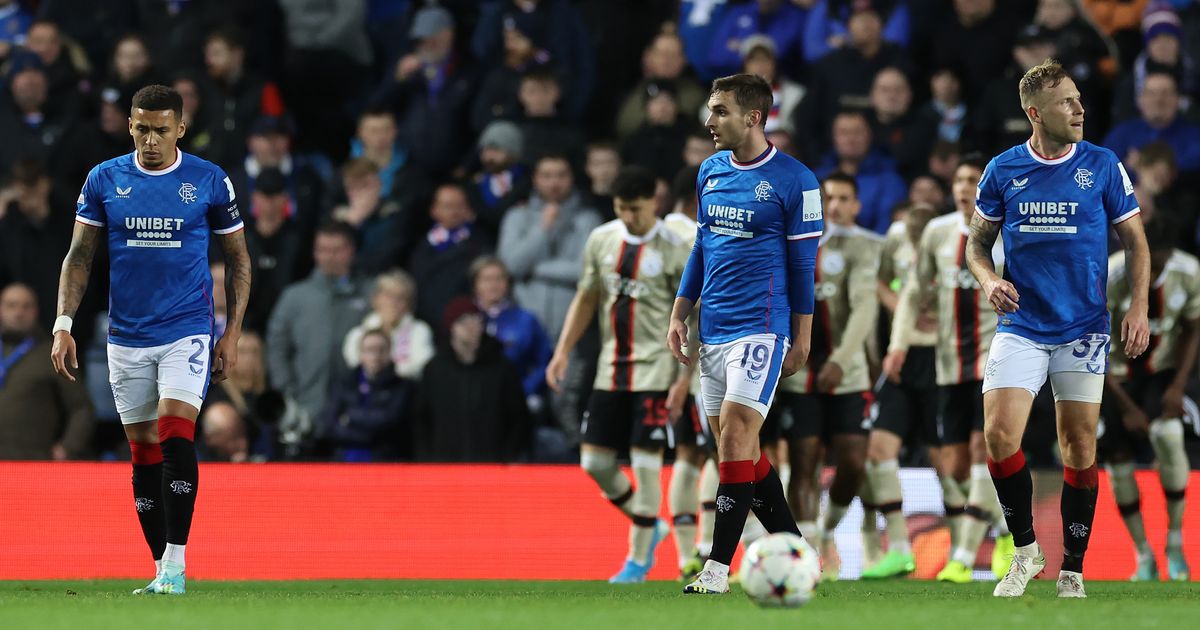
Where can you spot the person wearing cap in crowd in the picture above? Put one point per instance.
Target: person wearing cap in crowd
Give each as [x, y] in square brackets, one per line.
[470, 403]
[781, 20]
[998, 120]
[430, 92]
[658, 142]
[826, 28]
[307, 176]
[1161, 120]
[662, 62]
[1162, 51]
[275, 244]
[842, 79]
[502, 179]
[759, 57]
[555, 30]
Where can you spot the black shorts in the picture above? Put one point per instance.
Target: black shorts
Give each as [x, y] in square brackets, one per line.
[776, 421]
[620, 420]
[909, 409]
[824, 415]
[1146, 390]
[689, 428]
[960, 411]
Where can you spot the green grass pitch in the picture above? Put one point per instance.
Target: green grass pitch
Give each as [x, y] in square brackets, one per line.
[494, 605]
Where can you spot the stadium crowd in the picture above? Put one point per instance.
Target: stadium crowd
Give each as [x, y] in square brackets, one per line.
[419, 179]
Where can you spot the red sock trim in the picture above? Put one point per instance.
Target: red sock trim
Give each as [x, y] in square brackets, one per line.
[145, 454]
[762, 467]
[1082, 478]
[1007, 467]
[176, 427]
[741, 471]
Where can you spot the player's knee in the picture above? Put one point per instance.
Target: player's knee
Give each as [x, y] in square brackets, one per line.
[1001, 440]
[597, 462]
[1078, 449]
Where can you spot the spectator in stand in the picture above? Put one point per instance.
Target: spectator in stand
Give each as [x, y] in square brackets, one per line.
[1163, 53]
[602, 164]
[1159, 192]
[976, 39]
[131, 67]
[658, 143]
[698, 23]
[502, 179]
[94, 141]
[555, 30]
[470, 405]
[781, 20]
[327, 66]
[441, 259]
[312, 317]
[759, 58]
[545, 131]
[392, 302]
[541, 242]
[35, 233]
[525, 342]
[96, 31]
[376, 220]
[1121, 20]
[430, 90]
[236, 97]
[497, 99]
[198, 139]
[842, 79]
[14, 24]
[233, 431]
[697, 148]
[1083, 52]
[67, 67]
[895, 124]
[367, 416]
[32, 126]
[928, 190]
[663, 63]
[375, 140]
[827, 26]
[42, 415]
[880, 187]
[1160, 120]
[999, 122]
[275, 243]
[271, 146]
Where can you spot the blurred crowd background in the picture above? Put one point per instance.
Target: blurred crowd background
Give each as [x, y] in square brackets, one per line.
[431, 170]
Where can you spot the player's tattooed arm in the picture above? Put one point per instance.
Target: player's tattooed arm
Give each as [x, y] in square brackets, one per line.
[1001, 293]
[77, 268]
[237, 277]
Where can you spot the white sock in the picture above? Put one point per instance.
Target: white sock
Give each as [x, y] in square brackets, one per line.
[646, 501]
[709, 480]
[833, 516]
[174, 554]
[684, 499]
[1175, 539]
[1125, 491]
[1029, 551]
[716, 567]
[602, 467]
[809, 530]
[965, 556]
[157, 566]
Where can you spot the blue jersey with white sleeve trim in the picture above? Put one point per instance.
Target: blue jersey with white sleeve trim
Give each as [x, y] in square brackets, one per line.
[158, 225]
[752, 220]
[1056, 214]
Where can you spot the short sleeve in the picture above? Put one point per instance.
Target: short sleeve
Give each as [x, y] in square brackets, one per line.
[803, 212]
[89, 208]
[1119, 201]
[223, 214]
[590, 279]
[989, 203]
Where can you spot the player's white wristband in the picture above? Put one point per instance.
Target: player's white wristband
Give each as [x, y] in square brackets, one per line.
[62, 323]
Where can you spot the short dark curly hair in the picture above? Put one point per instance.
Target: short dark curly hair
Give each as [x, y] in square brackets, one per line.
[156, 98]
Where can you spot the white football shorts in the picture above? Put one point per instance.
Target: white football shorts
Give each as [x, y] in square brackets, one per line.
[141, 376]
[1076, 369]
[744, 371]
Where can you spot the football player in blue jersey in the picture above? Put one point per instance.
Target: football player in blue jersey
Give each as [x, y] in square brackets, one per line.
[157, 206]
[751, 267]
[1054, 199]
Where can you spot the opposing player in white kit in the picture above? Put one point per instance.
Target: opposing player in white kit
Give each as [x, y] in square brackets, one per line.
[1054, 197]
[158, 206]
[751, 268]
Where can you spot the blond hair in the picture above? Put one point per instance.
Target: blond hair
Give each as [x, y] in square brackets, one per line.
[1047, 74]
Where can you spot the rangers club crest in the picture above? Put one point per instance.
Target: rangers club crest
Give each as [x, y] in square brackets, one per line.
[143, 504]
[762, 191]
[1083, 177]
[187, 192]
[181, 487]
[1078, 530]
